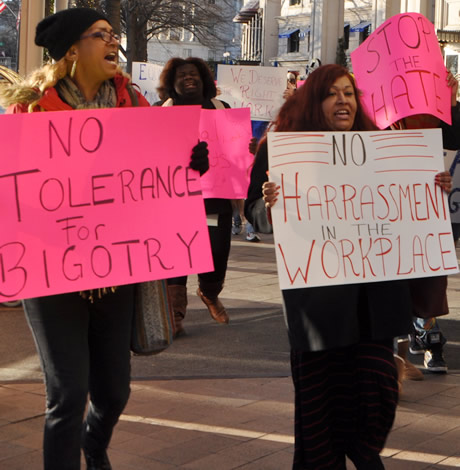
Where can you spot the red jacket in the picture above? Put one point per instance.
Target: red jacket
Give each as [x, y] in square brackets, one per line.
[50, 100]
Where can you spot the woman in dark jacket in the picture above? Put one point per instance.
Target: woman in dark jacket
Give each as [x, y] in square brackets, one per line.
[341, 336]
[190, 82]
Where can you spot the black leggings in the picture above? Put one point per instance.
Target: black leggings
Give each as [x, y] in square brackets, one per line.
[84, 348]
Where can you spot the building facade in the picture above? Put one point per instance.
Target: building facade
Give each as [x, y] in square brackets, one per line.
[184, 43]
[296, 33]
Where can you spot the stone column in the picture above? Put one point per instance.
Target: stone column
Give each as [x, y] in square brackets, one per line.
[30, 56]
[326, 29]
[384, 9]
[61, 5]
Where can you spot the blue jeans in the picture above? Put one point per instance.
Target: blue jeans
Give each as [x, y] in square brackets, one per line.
[84, 348]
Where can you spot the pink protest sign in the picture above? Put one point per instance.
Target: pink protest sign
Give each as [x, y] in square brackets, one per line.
[401, 72]
[99, 198]
[227, 132]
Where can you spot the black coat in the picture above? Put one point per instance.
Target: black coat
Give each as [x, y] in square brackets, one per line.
[327, 317]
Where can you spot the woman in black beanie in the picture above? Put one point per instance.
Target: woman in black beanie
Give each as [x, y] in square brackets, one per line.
[83, 339]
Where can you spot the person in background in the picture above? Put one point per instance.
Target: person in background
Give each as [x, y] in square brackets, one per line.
[83, 339]
[240, 222]
[190, 82]
[291, 85]
[341, 336]
[426, 337]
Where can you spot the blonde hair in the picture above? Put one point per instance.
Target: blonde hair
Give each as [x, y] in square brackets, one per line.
[32, 88]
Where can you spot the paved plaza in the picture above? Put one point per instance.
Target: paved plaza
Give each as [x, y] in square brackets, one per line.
[221, 398]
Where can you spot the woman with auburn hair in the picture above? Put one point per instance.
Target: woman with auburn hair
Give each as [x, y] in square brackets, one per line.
[341, 336]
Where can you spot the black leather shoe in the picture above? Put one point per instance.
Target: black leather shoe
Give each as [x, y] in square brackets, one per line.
[97, 462]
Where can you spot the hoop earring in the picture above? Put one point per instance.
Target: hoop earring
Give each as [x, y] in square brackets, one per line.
[72, 70]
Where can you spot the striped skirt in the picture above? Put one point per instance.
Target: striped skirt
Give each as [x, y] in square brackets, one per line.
[345, 404]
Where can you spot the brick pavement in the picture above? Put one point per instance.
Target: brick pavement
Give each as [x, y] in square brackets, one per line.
[246, 424]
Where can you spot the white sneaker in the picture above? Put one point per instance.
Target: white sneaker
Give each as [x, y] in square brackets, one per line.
[252, 237]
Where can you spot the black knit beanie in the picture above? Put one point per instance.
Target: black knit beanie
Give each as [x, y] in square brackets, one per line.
[59, 31]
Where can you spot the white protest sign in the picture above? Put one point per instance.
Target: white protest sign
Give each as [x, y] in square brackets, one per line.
[258, 88]
[452, 163]
[147, 77]
[359, 207]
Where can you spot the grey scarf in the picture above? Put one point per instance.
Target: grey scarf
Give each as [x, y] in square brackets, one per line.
[106, 97]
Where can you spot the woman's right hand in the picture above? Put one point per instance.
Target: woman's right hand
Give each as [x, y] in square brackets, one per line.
[199, 160]
[270, 193]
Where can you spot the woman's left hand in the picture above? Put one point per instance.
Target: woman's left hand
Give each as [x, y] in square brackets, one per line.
[199, 160]
[444, 179]
[270, 193]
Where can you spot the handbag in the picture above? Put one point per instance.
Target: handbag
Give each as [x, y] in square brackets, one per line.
[429, 296]
[153, 319]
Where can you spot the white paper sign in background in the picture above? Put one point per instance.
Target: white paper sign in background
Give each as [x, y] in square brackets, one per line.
[147, 77]
[359, 207]
[258, 88]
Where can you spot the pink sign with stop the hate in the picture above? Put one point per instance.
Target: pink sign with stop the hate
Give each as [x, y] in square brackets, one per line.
[401, 72]
[99, 198]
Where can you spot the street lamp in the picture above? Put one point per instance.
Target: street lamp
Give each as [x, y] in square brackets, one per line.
[226, 55]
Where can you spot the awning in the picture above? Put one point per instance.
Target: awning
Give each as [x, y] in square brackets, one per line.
[360, 27]
[304, 31]
[288, 33]
[247, 12]
[445, 35]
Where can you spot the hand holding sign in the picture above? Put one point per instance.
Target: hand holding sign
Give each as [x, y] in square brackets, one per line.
[401, 72]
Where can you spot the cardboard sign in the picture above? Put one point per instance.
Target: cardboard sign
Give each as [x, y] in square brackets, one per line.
[227, 132]
[258, 88]
[147, 77]
[401, 72]
[99, 198]
[359, 207]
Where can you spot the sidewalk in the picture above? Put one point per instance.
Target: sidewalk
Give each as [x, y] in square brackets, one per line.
[242, 423]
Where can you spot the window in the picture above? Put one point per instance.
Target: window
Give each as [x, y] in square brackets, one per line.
[294, 2]
[212, 2]
[187, 53]
[293, 42]
[211, 55]
[346, 36]
[174, 34]
[363, 35]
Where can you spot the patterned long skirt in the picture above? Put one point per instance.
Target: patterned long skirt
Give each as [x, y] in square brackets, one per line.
[345, 404]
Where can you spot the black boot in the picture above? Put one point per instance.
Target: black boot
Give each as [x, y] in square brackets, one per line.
[97, 462]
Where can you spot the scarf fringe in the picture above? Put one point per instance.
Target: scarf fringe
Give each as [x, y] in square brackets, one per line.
[93, 294]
